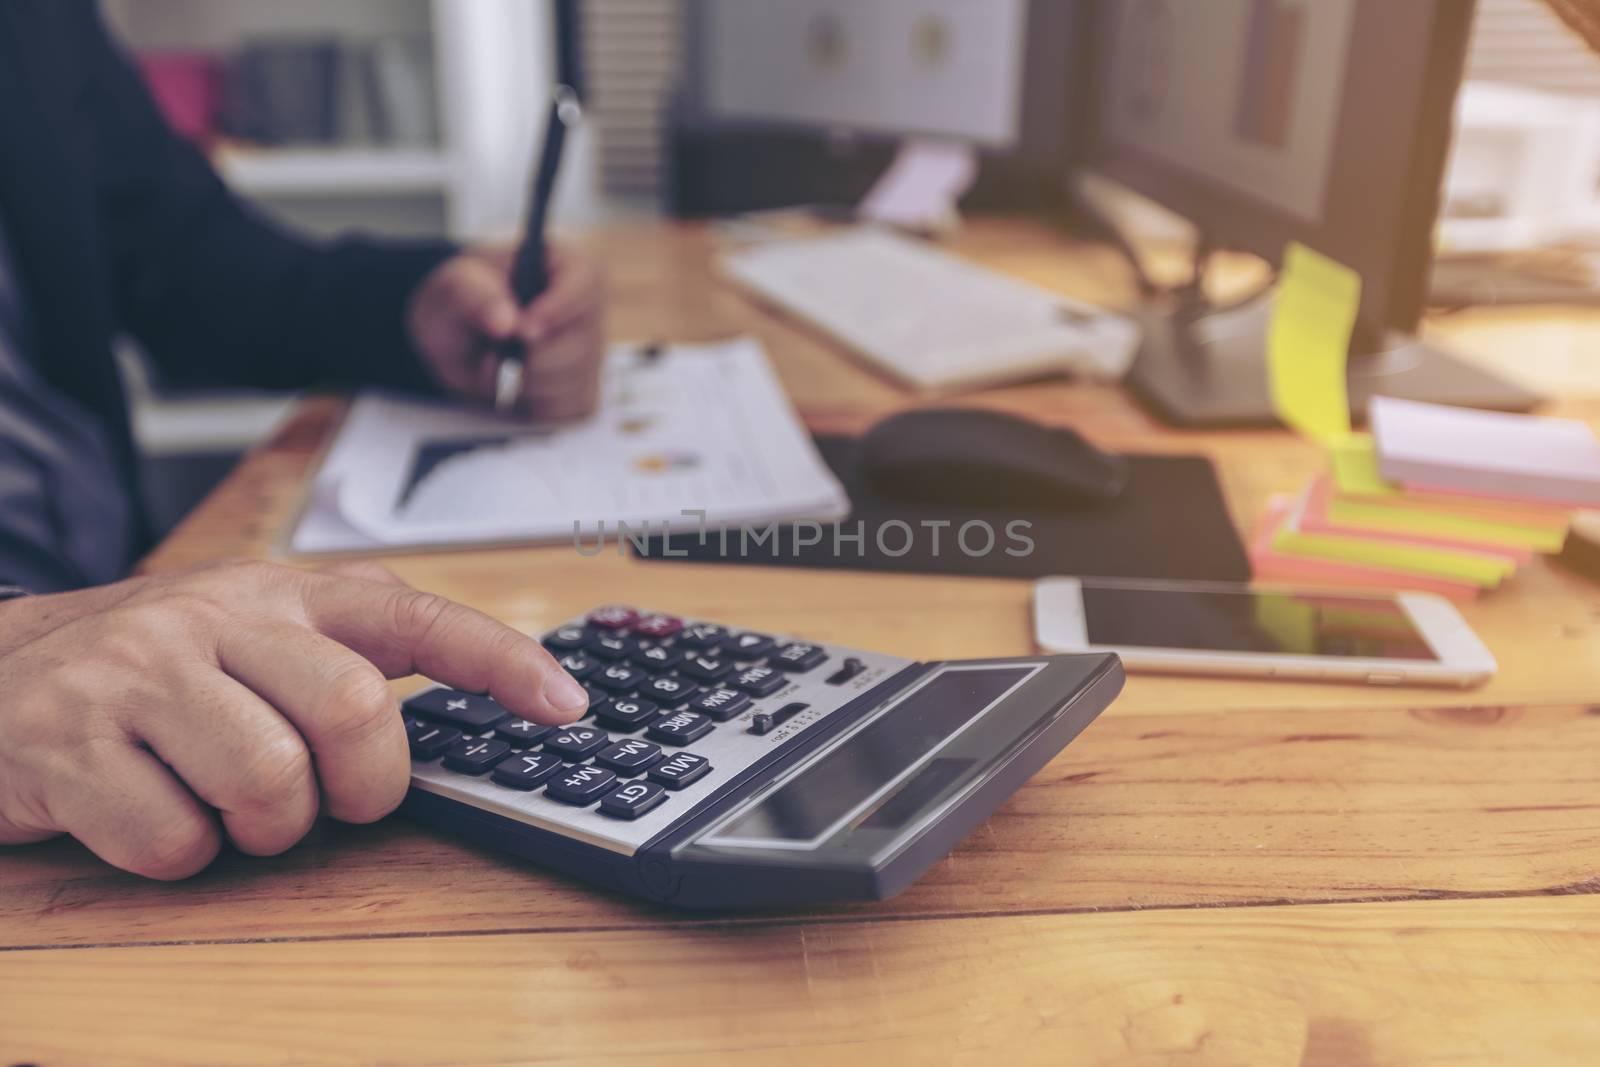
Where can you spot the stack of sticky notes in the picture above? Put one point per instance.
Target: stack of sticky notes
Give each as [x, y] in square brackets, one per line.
[1440, 499]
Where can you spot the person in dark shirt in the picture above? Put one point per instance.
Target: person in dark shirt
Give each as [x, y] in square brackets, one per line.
[149, 716]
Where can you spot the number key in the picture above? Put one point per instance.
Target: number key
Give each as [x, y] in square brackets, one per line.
[706, 667]
[626, 714]
[579, 665]
[659, 658]
[611, 646]
[668, 691]
[618, 678]
[566, 638]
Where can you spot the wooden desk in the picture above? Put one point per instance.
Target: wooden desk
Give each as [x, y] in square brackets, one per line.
[1215, 873]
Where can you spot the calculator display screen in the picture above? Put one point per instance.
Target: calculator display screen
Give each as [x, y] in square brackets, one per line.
[850, 779]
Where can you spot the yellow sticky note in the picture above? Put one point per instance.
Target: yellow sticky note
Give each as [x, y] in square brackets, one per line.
[1308, 343]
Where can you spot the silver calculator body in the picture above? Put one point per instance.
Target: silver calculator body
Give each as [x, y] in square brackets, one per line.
[737, 770]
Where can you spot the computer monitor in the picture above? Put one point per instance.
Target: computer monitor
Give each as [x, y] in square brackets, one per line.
[1269, 121]
[806, 101]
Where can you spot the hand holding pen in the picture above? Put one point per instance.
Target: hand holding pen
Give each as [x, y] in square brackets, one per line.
[486, 338]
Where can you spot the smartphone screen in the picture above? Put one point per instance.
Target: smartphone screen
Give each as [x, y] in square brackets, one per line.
[1296, 624]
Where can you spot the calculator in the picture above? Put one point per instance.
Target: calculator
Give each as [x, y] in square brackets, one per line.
[722, 768]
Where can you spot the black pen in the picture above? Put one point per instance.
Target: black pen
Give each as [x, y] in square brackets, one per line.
[530, 272]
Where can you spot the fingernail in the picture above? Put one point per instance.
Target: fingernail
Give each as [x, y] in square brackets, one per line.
[564, 693]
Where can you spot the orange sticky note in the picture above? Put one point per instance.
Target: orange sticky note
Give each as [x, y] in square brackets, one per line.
[1308, 343]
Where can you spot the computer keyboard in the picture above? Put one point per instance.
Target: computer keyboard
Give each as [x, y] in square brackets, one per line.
[933, 320]
[721, 767]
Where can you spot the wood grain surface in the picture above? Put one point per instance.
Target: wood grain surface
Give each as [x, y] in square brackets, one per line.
[1216, 872]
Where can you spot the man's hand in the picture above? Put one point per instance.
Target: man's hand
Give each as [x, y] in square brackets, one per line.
[466, 305]
[138, 716]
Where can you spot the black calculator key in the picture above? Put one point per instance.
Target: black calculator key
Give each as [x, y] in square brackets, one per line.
[629, 756]
[613, 617]
[760, 681]
[705, 667]
[659, 658]
[721, 704]
[579, 664]
[567, 638]
[632, 800]
[703, 635]
[798, 657]
[580, 785]
[466, 710]
[527, 770]
[520, 733]
[747, 646]
[668, 691]
[618, 677]
[626, 713]
[576, 743]
[681, 728]
[609, 646]
[596, 695]
[475, 755]
[680, 769]
[428, 740]
[657, 627]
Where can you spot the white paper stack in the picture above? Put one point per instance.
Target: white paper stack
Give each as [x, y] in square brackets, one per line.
[695, 428]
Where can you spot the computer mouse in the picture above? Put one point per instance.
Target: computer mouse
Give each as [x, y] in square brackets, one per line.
[968, 456]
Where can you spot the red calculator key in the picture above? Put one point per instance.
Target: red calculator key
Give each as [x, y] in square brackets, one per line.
[613, 617]
[657, 626]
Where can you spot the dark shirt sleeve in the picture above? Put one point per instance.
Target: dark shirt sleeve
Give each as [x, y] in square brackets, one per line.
[215, 292]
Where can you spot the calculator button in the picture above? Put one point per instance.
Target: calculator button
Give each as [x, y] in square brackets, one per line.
[611, 646]
[760, 681]
[578, 664]
[475, 756]
[566, 638]
[596, 695]
[613, 617]
[657, 626]
[427, 740]
[680, 769]
[706, 667]
[680, 729]
[631, 756]
[798, 657]
[520, 733]
[632, 800]
[527, 770]
[659, 658]
[580, 785]
[618, 678]
[721, 704]
[626, 714]
[703, 635]
[466, 710]
[576, 743]
[747, 645]
[669, 691]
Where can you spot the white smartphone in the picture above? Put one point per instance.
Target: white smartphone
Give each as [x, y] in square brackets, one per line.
[1262, 631]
